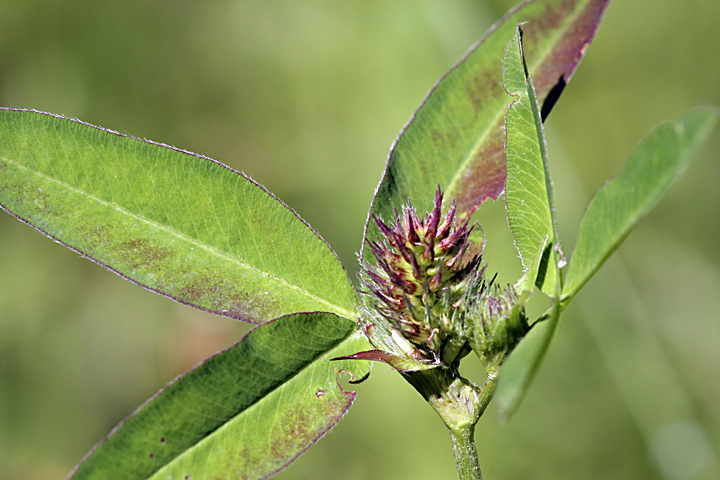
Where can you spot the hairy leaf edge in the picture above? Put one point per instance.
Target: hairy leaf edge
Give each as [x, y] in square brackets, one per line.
[459, 62]
[348, 315]
[352, 394]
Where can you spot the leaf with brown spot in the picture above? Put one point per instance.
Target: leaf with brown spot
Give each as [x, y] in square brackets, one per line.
[455, 139]
[176, 223]
[246, 412]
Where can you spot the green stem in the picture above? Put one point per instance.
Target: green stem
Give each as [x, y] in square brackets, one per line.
[460, 404]
[466, 458]
[463, 436]
[488, 388]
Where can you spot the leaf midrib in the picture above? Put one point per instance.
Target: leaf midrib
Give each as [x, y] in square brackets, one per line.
[452, 185]
[337, 309]
[280, 385]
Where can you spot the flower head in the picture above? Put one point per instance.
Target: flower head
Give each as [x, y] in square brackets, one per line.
[427, 292]
[425, 267]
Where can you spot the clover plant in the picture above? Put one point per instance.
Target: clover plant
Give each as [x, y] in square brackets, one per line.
[192, 229]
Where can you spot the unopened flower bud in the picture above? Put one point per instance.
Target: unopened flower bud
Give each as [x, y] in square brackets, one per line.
[497, 322]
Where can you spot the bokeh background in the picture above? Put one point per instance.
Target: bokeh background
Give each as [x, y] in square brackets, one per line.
[306, 97]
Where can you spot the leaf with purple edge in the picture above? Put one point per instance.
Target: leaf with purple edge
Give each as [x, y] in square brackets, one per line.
[176, 223]
[246, 412]
[455, 138]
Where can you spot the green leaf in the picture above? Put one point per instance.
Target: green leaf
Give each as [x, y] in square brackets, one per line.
[527, 281]
[529, 192]
[630, 195]
[530, 207]
[176, 223]
[244, 413]
[520, 367]
[455, 139]
[617, 207]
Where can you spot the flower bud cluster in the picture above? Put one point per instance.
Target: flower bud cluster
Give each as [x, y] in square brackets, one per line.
[425, 267]
[428, 284]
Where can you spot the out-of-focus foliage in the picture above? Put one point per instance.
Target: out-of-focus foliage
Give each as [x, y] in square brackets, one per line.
[306, 98]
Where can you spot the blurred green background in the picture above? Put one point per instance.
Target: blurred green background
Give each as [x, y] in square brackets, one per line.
[306, 98]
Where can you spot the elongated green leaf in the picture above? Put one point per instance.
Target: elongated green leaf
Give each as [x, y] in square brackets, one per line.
[619, 205]
[530, 205]
[455, 139]
[529, 192]
[244, 413]
[179, 224]
[630, 195]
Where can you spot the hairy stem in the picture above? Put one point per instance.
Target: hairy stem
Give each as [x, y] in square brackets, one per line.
[466, 458]
[488, 388]
[460, 404]
[463, 437]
